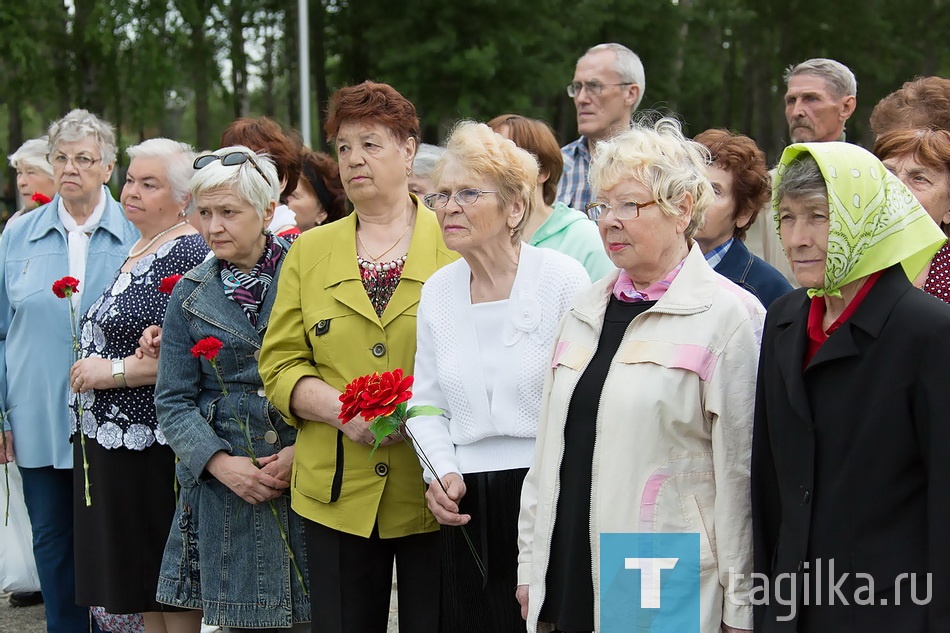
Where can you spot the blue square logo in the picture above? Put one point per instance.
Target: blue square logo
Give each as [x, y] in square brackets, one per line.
[649, 582]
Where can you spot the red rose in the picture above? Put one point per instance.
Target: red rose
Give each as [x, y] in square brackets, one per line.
[40, 199]
[65, 287]
[375, 396]
[167, 284]
[207, 348]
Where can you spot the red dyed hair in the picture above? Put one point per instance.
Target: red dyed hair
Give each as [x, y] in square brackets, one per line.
[740, 156]
[374, 103]
[921, 103]
[930, 148]
[267, 137]
[538, 138]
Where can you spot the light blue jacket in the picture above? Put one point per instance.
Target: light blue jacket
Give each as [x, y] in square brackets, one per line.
[35, 336]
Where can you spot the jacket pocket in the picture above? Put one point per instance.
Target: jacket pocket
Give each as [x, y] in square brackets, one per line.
[318, 465]
[698, 520]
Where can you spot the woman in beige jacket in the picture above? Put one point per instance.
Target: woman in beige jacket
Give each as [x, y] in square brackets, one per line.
[646, 425]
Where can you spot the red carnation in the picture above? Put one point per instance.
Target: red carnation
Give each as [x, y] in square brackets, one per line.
[65, 287]
[207, 348]
[375, 396]
[40, 199]
[167, 284]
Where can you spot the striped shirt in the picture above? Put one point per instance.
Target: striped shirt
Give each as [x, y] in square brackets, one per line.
[574, 189]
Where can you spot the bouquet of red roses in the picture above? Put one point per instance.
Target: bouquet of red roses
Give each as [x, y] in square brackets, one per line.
[381, 400]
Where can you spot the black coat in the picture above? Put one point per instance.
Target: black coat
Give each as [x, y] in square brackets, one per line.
[851, 462]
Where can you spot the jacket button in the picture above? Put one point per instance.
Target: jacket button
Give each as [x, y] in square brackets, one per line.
[379, 350]
[806, 497]
[271, 437]
[261, 392]
[257, 354]
[382, 469]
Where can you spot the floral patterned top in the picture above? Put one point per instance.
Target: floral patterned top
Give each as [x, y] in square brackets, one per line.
[380, 281]
[111, 328]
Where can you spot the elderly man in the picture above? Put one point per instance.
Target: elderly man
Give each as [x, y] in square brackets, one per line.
[607, 88]
[820, 97]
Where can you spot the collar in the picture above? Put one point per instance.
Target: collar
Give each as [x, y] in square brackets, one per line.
[816, 313]
[580, 147]
[626, 292]
[715, 256]
[113, 220]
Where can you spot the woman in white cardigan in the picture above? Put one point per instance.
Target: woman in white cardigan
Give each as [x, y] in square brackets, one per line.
[486, 324]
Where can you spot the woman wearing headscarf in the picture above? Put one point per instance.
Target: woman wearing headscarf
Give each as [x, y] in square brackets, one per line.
[486, 326]
[235, 549]
[83, 234]
[121, 536]
[34, 174]
[319, 197]
[646, 418]
[850, 472]
[346, 307]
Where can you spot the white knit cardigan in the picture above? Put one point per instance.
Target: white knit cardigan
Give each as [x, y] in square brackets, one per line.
[473, 435]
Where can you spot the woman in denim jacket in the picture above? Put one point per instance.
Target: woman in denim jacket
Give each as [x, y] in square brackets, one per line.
[226, 551]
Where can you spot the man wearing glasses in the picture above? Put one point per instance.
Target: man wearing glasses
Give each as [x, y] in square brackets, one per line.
[607, 88]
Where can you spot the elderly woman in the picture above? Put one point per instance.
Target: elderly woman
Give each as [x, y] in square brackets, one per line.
[319, 197]
[266, 137]
[740, 182]
[849, 465]
[120, 538]
[553, 224]
[82, 233]
[420, 180]
[34, 174]
[346, 307]
[647, 412]
[921, 160]
[235, 549]
[486, 326]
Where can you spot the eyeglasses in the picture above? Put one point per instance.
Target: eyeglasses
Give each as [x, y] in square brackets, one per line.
[463, 197]
[230, 160]
[83, 162]
[626, 211]
[593, 88]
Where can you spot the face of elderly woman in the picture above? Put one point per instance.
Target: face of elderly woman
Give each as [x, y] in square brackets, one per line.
[720, 222]
[472, 225]
[372, 160]
[147, 195]
[638, 245]
[931, 186]
[803, 225]
[232, 226]
[305, 204]
[30, 180]
[73, 181]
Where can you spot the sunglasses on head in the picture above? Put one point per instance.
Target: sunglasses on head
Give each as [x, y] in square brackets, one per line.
[230, 159]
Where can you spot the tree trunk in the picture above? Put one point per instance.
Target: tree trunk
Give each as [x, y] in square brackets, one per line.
[238, 60]
[291, 63]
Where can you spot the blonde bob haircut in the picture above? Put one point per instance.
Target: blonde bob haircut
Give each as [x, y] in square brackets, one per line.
[513, 172]
[663, 160]
[243, 180]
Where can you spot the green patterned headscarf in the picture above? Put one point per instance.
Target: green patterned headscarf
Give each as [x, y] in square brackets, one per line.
[874, 220]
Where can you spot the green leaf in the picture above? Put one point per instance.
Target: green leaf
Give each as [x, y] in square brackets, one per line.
[424, 409]
[400, 411]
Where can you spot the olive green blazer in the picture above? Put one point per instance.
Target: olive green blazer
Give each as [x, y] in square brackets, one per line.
[324, 325]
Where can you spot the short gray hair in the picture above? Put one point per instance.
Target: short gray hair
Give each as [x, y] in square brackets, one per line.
[242, 179]
[802, 178]
[178, 159]
[628, 66]
[79, 124]
[426, 157]
[841, 81]
[33, 153]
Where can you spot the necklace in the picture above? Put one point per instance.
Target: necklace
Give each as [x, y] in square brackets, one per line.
[379, 267]
[136, 253]
[396, 243]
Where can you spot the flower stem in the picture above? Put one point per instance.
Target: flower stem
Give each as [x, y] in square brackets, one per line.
[6, 469]
[82, 436]
[425, 458]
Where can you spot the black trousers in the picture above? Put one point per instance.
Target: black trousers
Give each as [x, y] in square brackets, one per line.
[351, 581]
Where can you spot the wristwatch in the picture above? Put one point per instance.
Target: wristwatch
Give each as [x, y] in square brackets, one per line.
[118, 372]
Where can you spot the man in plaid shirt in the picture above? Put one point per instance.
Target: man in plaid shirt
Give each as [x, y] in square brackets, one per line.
[607, 88]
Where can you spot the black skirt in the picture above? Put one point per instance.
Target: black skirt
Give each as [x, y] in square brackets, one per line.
[471, 604]
[121, 537]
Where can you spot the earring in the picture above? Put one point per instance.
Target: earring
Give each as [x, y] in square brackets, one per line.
[408, 171]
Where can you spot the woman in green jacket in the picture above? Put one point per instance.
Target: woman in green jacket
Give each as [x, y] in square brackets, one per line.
[346, 307]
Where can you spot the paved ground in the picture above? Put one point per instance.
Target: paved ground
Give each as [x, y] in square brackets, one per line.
[32, 619]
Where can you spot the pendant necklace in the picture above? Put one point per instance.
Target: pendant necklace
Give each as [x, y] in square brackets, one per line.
[136, 253]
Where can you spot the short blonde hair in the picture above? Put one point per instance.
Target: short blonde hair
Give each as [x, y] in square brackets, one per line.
[242, 179]
[477, 148]
[33, 153]
[663, 160]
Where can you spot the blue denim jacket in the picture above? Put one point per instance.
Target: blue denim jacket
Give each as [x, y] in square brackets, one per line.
[35, 337]
[223, 555]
